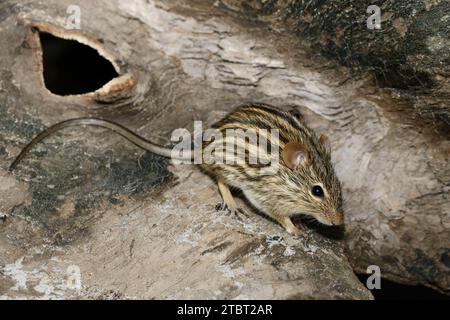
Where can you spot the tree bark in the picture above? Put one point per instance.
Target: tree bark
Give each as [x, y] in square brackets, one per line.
[138, 228]
[409, 52]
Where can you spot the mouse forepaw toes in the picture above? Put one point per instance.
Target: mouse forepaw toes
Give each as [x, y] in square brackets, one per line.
[242, 212]
[239, 213]
[294, 231]
[222, 206]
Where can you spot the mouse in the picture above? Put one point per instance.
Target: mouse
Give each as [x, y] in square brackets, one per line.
[304, 181]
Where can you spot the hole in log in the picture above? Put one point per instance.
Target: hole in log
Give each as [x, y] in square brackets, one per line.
[73, 68]
[396, 291]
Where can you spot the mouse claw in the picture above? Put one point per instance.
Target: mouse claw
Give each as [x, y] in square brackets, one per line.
[222, 206]
[242, 212]
[237, 212]
[292, 229]
[295, 232]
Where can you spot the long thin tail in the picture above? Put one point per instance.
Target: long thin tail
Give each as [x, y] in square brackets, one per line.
[124, 132]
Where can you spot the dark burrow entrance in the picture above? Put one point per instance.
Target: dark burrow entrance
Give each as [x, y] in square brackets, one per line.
[72, 68]
[395, 291]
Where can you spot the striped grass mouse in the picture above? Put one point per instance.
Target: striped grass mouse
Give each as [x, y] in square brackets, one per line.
[304, 182]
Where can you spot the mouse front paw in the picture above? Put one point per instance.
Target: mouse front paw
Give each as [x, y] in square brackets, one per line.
[289, 226]
[221, 206]
[237, 212]
[296, 232]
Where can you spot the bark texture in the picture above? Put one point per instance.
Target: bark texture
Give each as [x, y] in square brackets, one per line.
[410, 51]
[138, 228]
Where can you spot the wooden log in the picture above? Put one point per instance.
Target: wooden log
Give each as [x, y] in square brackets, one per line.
[138, 228]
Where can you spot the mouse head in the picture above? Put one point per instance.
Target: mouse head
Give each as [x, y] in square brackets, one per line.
[314, 183]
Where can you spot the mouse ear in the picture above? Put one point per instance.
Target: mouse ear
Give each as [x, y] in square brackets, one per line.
[295, 154]
[325, 141]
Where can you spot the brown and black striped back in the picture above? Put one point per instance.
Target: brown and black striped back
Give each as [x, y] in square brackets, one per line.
[290, 127]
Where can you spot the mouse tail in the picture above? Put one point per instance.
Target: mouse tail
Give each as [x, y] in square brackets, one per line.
[117, 128]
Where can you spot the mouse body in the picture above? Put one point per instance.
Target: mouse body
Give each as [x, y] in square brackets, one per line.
[303, 182]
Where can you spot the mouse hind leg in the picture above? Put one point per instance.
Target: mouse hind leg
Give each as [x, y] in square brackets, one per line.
[228, 201]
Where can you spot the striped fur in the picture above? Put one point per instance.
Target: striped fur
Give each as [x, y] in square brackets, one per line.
[288, 191]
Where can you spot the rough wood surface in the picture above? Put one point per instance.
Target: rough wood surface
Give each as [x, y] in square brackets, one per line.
[410, 51]
[138, 228]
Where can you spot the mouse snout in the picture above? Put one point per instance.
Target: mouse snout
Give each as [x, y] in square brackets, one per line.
[337, 218]
[332, 218]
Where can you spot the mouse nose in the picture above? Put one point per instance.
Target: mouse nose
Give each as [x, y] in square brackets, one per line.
[338, 219]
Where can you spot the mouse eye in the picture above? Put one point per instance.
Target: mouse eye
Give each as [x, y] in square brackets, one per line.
[317, 191]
